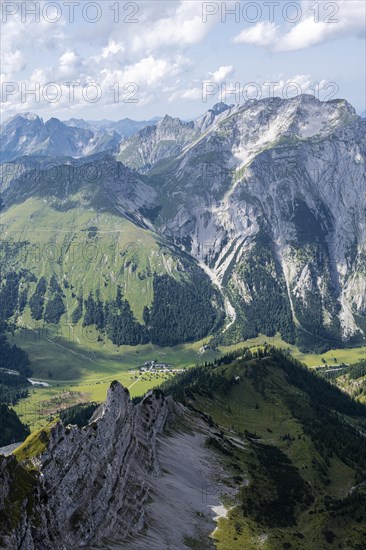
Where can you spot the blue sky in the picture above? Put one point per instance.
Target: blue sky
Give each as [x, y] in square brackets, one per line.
[113, 60]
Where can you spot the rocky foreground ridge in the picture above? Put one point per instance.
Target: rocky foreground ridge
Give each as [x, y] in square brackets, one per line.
[98, 483]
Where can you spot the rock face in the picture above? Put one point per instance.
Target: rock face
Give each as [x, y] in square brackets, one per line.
[155, 143]
[93, 483]
[103, 470]
[270, 198]
[136, 477]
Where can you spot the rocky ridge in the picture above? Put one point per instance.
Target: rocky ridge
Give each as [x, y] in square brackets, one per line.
[28, 134]
[95, 484]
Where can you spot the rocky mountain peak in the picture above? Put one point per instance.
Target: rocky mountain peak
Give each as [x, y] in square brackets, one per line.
[54, 123]
[220, 107]
[24, 116]
[167, 122]
[117, 403]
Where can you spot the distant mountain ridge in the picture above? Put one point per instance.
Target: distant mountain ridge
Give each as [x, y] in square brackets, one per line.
[28, 134]
[125, 127]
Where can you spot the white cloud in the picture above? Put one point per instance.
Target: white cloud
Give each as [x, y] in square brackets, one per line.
[276, 86]
[148, 53]
[195, 92]
[192, 94]
[222, 73]
[153, 53]
[12, 62]
[292, 86]
[261, 34]
[149, 70]
[183, 27]
[349, 20]
[110, 51]
[70, 65]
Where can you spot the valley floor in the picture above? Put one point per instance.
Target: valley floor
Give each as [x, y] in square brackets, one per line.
[82, 372]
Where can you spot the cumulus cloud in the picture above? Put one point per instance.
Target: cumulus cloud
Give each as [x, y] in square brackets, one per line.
[12, 62]
[261, 34]
[153, 53]
[149, 54]
[182, 27]
[70, 65]
[191, 95]
[113, 48]
[348, 21]
[222, 73]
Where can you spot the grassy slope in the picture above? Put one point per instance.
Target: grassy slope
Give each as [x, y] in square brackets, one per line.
[60, 243]
[34, 445]
[342, 355]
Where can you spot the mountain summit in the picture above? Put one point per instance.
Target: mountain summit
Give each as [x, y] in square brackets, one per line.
[269, 197]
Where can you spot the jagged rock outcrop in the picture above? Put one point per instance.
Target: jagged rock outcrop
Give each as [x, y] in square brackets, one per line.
[92, 483]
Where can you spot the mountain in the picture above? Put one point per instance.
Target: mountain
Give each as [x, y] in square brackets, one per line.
[125, 127]
[166, 139]
[27, 134]
[257, 440]
[154, 143]
[264, 200]
[79, 250]
[269, 198]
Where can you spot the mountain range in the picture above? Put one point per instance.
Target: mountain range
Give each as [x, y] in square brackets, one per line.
[264, 203]
[247, 220]
[27, 134]
[125, 127]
